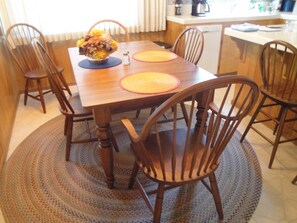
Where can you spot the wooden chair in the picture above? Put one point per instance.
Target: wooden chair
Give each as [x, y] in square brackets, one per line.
[117, 30]
[278, 63]
[18, 42]
[71, 108]
[188, 45]
[174, 155]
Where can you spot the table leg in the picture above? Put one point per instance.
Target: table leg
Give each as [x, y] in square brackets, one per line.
[202, 100]
[106, 151]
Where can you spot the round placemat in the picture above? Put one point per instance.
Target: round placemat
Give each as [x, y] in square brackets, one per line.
[149, 82]
[112, 61]
[154, 56]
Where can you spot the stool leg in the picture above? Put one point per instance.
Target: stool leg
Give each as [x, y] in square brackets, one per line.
[278, 119]
[26, 91]
[254, 116]
[278, 136]
[41, 95]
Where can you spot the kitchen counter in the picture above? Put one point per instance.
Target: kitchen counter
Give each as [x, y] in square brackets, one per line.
[228, 47]
[233, 17]
[261, 37]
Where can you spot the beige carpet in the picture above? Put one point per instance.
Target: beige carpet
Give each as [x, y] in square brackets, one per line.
[38, 185]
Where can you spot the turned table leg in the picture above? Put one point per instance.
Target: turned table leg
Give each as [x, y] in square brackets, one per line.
[102, 118]
[202, 100]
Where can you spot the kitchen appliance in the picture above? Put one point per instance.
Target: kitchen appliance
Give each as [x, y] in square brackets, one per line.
[287, 5]
[178, 4]
[209, 59]
[200, 7]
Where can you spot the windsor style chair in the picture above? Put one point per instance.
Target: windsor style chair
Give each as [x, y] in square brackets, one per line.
[18, 42]
[70, 107]
[172, 154]
[117, 30]
[188, 45]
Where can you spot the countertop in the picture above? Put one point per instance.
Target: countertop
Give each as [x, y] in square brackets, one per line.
[233, 17]
[260, 37]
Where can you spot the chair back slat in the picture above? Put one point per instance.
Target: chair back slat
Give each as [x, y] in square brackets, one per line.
[50, 68]
[278, 63]
[189, 44]
[176, 152]
[187, 143]
[200, 136]
[173, 159]
[117, 30]
[160, 149]
[18, 42]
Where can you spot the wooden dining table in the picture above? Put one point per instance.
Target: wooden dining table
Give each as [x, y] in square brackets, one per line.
[101, 91]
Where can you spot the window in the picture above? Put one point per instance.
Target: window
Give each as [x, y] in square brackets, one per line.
[68, 19]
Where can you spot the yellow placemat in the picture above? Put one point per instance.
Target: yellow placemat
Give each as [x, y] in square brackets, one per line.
[149, 82]
[154, 56]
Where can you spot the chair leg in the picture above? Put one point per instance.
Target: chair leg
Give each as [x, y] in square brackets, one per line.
[69, 137]
[152, 110]
[66, 125]
[278, 118]
[41, 95]
[159, 203]
[185, 114]
[137, 113]
[278, 136]
[26, 91]
[253, 118]
[216, 195]
[133, 175]
[294, 180]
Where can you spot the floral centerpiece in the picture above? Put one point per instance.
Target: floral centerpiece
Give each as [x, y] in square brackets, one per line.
[97, 46]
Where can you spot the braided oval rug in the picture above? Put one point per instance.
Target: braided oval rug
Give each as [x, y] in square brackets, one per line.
[38, 185]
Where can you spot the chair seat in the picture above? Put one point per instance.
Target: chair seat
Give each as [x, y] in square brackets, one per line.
[36, 74]
[166, 139]
[76, 105]
[279, 99]
[40, 73]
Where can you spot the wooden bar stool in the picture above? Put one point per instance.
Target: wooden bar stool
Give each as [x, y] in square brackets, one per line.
[278, 63]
